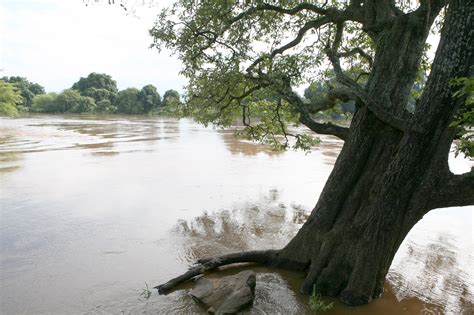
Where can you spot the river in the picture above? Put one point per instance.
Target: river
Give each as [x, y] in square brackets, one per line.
[94, 207]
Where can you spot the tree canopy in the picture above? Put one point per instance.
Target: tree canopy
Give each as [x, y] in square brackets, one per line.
[28, 90]
[96, 93]
[46, 103]
[150, 98]
[171, 97]
[10, 98]
[127, 100]
[96, 81]
[237, 53]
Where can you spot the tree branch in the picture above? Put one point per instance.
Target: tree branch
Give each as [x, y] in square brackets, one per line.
[274, 8]
[295, 10]
[373, 106]
[430, 8]
[283, 88]
[306, 27]
[323, 128]
[351, 12]
[359, 51]
[339, 93]
[453, 191]
[263, 257]
[305, 117]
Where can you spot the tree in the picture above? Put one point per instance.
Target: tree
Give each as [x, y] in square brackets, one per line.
[36, 89]
[171, 97]
[71, 101]
[45, 103]
[99, 94]
[9, 99]
[128, 101]
[393, 167]
[105, 106]
[149, 98]
[96, 80]
[28, 90]
[99, 86]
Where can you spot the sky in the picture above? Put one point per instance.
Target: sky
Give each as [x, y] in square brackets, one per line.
[55, 42]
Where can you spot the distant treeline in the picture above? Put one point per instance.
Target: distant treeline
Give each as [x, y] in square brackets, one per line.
[96, 93]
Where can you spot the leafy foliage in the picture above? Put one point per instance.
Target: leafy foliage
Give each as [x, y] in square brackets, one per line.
[317, 91]
[71, 101]
[45, 103]
[99, 93]
[316, 304]
[97, 81]
[231, 52]
[149, 98]
[127, 101]
[464, 120]
[171, 97]
[27, 89]
[105, 106]
[10, 98]
[99, 86]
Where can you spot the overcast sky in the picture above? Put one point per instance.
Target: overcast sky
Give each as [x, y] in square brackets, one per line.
[55, 42]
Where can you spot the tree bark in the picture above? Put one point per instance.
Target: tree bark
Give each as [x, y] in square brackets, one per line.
[384, 178]
[381, 184]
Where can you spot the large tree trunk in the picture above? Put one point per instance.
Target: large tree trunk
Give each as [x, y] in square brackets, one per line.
[384, 179]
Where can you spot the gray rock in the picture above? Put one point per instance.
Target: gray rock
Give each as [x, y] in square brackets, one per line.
[227, 295]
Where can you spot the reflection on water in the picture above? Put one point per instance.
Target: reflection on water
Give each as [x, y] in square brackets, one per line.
[425, 279]
[262, 224]
[436, 273]
[238, 146]
[92, 207]
[101, 137]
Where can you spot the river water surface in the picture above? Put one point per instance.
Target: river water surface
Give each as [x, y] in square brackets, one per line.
[93, 207]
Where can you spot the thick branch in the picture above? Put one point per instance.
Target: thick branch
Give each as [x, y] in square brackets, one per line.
[359, 51]
[323, 128]
[269, 7]
[274, 8]
[295, 10]
[373, 106]
[333, 95]
[430, 8]
[314, 24]
[264, 257]
[351, 12]
[378, 14]
[305, 118]
[453, 191]
[284, 89]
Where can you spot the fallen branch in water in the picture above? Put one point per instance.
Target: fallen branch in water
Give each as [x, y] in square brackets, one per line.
[264, 257]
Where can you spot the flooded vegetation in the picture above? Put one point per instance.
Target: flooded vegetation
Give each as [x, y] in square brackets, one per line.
[94, 207]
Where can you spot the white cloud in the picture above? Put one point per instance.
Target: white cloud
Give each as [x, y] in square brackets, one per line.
[55, 42]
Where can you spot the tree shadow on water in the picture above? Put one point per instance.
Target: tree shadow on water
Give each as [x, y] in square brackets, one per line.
[262, 224]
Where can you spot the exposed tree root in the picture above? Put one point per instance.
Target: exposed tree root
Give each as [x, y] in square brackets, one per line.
[263, 257]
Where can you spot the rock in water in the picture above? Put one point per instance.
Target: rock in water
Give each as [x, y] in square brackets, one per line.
[227, 295]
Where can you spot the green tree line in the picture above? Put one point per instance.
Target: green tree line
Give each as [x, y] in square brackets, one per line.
[96, 93]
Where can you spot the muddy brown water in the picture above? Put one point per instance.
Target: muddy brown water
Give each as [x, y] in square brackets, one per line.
[94, 207]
